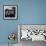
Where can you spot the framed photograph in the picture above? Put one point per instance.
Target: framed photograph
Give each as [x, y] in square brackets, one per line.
[10, 12]
[33, 32]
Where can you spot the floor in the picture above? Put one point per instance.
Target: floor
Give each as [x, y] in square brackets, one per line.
[30, 43]
[7, 45]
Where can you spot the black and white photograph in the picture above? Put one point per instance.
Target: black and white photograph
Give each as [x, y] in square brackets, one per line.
[33, 32]
[10, 12]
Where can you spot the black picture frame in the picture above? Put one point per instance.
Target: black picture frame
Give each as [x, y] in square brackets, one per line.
[10, 12]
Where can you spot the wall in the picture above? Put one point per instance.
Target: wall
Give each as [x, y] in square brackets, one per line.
[7, 26]
[33, 12]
